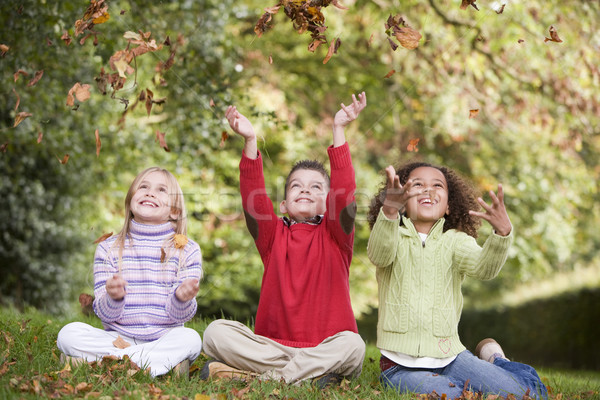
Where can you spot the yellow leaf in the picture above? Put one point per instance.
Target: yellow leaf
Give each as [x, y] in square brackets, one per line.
[20, 117]
[121, 66]
[101, 19]
[180, 241]
[199, 396]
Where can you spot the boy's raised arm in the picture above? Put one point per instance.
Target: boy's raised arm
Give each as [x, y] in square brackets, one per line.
[243, 127]
[346, 115]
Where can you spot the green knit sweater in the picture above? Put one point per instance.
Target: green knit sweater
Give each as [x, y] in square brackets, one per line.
[420, 298]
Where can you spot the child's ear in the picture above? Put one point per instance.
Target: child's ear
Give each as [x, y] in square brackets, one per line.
[175, 213]
[448, 210]
[282, 207]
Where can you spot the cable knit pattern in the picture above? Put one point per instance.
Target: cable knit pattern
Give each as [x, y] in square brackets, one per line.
[420, 298]
[150, 307]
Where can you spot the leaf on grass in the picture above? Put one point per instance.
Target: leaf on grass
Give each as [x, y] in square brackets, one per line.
[390, 73]
[20, 117]
[98, 143]
[36, 78]
[3, 49]
[121, 343]
[333, 48]
[553, 35]
[20, 72]
[160, 136]
[224, 137]
[413, 145]
[103, 238]
[473, 113]
[79, 92]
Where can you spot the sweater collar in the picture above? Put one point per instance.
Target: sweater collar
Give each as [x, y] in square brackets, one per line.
[410, 230]
[161, 231]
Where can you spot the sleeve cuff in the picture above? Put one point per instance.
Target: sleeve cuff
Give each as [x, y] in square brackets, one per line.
[339, 157]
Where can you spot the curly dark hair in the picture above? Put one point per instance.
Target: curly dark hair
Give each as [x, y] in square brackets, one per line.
[313, 165]
[462, 197]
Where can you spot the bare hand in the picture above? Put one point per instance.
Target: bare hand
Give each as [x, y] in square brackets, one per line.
[396, 195]
[115, 287]
[495, 213]
[240, 124]
[349, 113]
[187, 290]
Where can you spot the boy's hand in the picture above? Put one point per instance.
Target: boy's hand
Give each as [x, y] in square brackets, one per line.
[349, 113]
[187, 290]
[239, 123]
[115, 287]
[243, 127]
[396, 195]
[495, 213]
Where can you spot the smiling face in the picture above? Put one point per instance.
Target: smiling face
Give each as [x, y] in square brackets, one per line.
[151, 201]
[306, 195]
[431, 202]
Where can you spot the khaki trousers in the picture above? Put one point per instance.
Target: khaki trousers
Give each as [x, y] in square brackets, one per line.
[237, 346]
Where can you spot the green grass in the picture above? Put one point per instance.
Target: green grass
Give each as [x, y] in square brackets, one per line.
[30, 368]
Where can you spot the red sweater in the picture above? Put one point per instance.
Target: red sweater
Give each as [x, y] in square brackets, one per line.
[305, 292]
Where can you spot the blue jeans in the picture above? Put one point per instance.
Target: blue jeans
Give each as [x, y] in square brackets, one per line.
[501, 378]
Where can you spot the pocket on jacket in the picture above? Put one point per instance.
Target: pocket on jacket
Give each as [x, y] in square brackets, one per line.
[396, 319]
[443, 322]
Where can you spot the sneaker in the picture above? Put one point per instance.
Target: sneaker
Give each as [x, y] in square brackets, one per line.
[217, 369]
[488, 350]
[327, 380]
[182, 370]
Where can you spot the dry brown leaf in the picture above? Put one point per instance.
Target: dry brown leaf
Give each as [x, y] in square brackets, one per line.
[40, 136]
[36, 78]
[20, 117]
[390, 73]
[20, 72]
[501, 10]
[408, 37]
[413, 145]
[160, 136]
[98, 143]
[18, 99]
[473, 113]
[66, 38]
[163, 255]
[180, 241]
[103, 237]
[64, 160]
[121, 343]
[553, 35]
[3, 49]
[79, 92]
[224, 137]
[466, 3]
[333, 48]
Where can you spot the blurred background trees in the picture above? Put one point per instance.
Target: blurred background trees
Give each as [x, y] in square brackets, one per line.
[483, 93]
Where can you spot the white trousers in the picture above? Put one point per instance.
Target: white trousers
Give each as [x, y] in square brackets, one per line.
[78, 339]
[237, 346]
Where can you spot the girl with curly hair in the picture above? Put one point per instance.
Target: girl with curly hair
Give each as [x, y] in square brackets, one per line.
[424, 223]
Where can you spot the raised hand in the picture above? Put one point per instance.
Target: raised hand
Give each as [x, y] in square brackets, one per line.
[396, 195]
[115, 287]
[187, 290]
[242, 126]
[495, 213]
[349, 113]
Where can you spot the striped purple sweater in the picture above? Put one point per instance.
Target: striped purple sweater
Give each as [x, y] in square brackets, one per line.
[150, 307]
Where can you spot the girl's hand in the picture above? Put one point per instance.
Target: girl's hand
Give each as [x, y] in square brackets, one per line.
[495, 213]
[396, 195]
[348, 114]
[187, 290]
[115, 287]
[239, 123]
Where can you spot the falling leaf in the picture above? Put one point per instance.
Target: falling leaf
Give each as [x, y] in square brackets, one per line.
[19, 73]
[413, 145]
[98, 143]
[393, 45]
[180, 241]
[3, 49]
[101, 19]
[466, 3]
[149, 96]
[160, 136]
[20, 117]
[270, 59]
[49, 42]
[103, 238]
[36, 78]
[211, 103]
[122, 67]
[408, 37]
[333, 48]
[66, 38]
[501, 10]
[81, 92]
[520, 41]
[370, 42]
[163, 255]
[40, 136]
[224, 137]
[4, 147]
[64, 160]
[390, 73]
[553, 35]
[121, 343]
[262, 23]
[86, 301]
[473, 113]
[129, 35]
[18, 99]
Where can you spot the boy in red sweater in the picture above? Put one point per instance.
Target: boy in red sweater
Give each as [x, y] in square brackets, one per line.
[305, 327]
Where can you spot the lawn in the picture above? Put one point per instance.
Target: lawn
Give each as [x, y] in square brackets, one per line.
[30, 368]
